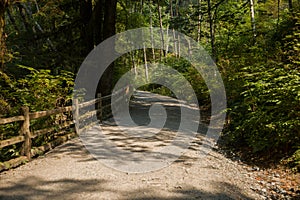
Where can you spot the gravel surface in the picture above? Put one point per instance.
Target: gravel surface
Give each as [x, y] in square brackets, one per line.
[71, 172]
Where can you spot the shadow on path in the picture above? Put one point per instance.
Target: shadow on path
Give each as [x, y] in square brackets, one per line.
[37, 188]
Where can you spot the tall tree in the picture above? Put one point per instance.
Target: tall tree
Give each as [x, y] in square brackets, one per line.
[151, 31]
[253, 18]
[110, 18]
[86, 10]
[211, 29]
[161, 29]
[109, 29]
[3, 5]
[290, 5]
[199, 21]
[97, 22]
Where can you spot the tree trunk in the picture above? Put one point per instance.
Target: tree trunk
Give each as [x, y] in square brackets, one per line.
[278, 14]
[12, 20]
[3, 5]
[175, 42]
[146, 63]
[211, 30]
[142, 6]
[151, 32]
[109, 30]
[86, 34]
[29, 13]
[179, 46]
[167, 40]
[177, 8]
[189, 49]
[133, 63]
[199, 21]
[171, 8]
[22, 14]
[253, 18]
[97, 22]
[161, 29]
[290, 5]
[109, 18]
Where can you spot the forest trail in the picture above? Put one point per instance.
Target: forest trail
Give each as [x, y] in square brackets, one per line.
[71, 172]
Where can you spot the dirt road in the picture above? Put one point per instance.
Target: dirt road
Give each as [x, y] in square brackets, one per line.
[71, 172]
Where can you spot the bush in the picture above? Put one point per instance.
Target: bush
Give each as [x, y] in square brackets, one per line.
[264, 96]
[39, 90]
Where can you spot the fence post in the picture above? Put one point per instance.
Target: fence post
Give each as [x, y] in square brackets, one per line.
[76, 115]
[99, 107]
[26, 149]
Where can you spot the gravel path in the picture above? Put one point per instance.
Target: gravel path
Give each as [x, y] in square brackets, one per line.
[70, 172]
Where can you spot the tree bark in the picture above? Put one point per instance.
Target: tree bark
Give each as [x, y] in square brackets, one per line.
[253, 18]
[86, 10]
[109, 30]
[179, 46]
[98, 20]
[110, 18]
[151, 32]
[146, 63]
[161, 30]
[290, 5]
[175, 42]
[133, 63]
[211, 30]
[167, 41]
[199, 21]
[3, 6]
[278, 14]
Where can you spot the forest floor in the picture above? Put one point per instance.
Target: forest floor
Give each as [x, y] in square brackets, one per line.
[71, 172]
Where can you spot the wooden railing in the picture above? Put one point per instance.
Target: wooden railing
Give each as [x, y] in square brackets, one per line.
[60, 133]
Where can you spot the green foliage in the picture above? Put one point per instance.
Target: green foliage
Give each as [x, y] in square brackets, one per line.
[39, 90]
[6, 85]
[162, 90]
[46, 35]
[261, 71]
[190, 74]
[264, 108]
[294, 160]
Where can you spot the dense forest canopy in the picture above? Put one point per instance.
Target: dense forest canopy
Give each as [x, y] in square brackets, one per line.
[255, 44]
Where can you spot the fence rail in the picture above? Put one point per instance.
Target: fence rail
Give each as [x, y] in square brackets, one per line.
[11, 119]
[67, 131]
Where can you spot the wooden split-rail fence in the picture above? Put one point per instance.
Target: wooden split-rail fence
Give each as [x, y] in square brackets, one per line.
[67, 129]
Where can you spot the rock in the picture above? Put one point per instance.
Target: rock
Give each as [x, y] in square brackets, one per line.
[273, 183]
[262, 182]
[255, 168]
[178, 187]
[282, 191]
